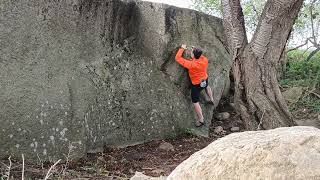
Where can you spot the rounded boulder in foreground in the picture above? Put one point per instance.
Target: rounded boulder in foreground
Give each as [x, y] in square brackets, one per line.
[283, 153]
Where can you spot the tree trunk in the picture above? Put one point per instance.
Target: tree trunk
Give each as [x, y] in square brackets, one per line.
[258, 98]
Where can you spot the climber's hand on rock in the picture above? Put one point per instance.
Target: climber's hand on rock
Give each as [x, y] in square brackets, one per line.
[184, 46]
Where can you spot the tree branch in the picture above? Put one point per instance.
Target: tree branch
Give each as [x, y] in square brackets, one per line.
[317, 29]
[256, 12]
[306, 51]
[297, 47]
[314, 40]
[313, 53]
[312, 92]
[311, 18]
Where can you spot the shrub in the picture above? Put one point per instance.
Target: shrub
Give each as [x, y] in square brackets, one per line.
[300, 72]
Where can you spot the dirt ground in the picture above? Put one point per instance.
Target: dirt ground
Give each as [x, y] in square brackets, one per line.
[148, 158]
[115, 163]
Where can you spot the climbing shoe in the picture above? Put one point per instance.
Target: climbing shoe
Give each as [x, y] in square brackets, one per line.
[198, 123]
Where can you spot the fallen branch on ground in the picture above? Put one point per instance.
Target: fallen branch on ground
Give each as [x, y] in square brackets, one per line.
[312, 92]
[260, 123]
[49, 171]
[8, 168]
[22, 176]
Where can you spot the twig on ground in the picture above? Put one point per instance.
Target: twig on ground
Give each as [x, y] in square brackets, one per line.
[307, 94]
[8, 168]
[145, 168]
[22, 175]
[49, 171]
[260, 123]
[68, 156]
[40, 161]
[312, 92]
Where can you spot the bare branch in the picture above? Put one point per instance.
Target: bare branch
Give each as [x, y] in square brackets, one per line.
[313, 53]
[256, 12]
[306, 51]
[312, 23]
[317, 29]
[312, 92]
[22, 176]
[9, 168]
[40, 161]
[10, 164]
[49, 171]
[297, 47]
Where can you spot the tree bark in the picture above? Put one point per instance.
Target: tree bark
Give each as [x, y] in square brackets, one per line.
[257, 96]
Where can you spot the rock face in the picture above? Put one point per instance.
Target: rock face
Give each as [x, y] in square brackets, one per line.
[284, 153]
[83, 74]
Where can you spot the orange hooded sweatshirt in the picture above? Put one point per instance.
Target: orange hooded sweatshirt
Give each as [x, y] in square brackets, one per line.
[197, 67]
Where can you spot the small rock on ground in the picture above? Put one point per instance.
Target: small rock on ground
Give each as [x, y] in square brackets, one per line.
[293, 94]
[166, 146]
[158, 171]
[140, 176]
[218, 130]
[223, 116]
[235, 129]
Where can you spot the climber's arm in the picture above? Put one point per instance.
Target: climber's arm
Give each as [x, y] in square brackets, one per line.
[184, 62]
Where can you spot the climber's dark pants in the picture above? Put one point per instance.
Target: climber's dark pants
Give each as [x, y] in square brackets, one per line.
[195, 92]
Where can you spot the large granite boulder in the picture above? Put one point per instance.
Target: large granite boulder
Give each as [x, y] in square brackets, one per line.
[283, 153]
[83, 74]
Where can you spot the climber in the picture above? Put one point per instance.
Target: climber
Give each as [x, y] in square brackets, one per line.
[197, 68]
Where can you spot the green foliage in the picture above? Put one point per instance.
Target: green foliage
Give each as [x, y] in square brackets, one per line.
[212, 7]
[252, 10]
[303, 23]
[188, 132]
[300, 72]
[303, 73]
[182, 133]
[309, 102]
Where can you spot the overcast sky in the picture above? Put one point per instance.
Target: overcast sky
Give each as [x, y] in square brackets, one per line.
[179, 3]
